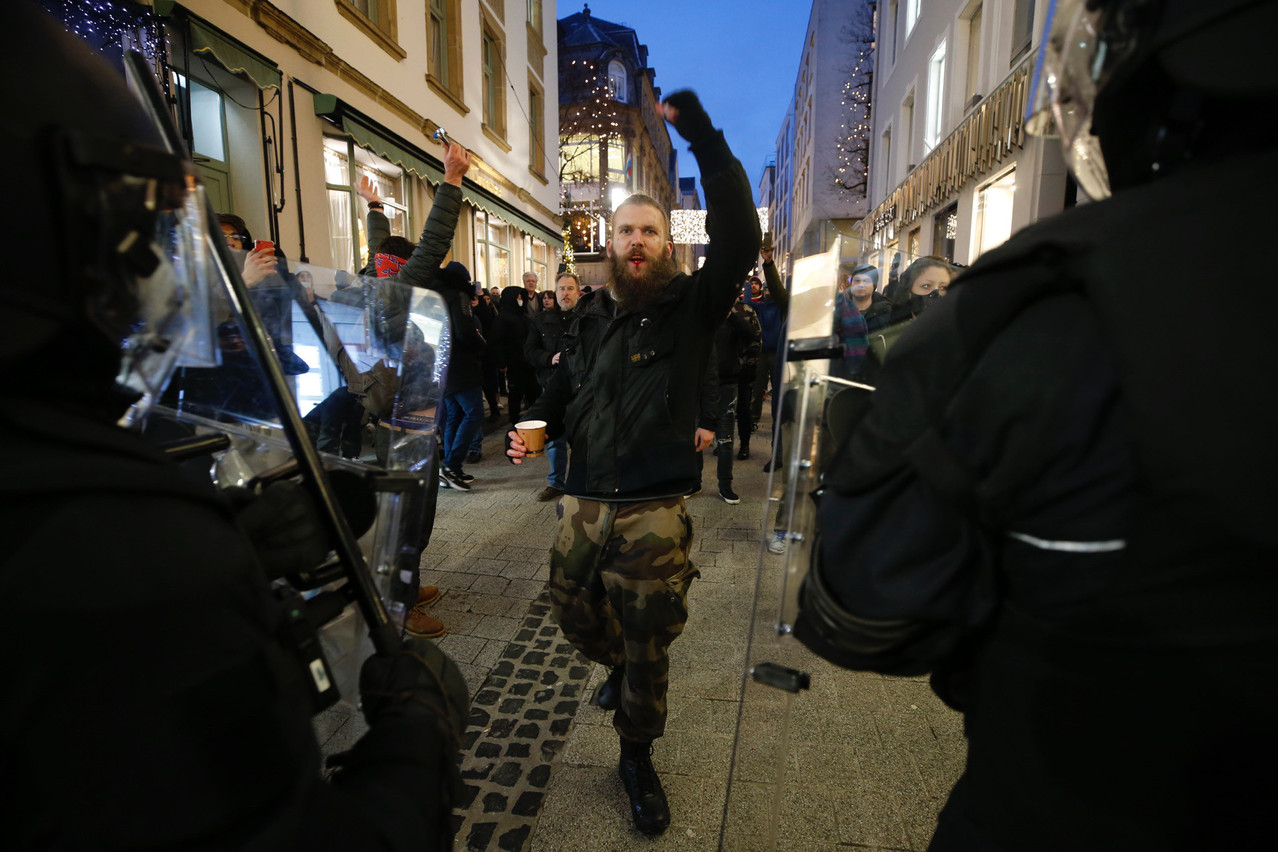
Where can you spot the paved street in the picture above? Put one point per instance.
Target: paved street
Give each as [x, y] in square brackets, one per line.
[868, 760]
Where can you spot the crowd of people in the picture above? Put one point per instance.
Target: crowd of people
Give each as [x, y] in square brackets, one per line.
[1070, 537]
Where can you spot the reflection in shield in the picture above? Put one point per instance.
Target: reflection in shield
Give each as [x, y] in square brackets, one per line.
[363, 361]
[805, 724]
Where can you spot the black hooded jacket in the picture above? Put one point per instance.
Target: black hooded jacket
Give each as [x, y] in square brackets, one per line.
[627, 396]
[544, 341]
[466, 352]
[191, 684]
[737, 342]
[510, 332]
[1076, 535]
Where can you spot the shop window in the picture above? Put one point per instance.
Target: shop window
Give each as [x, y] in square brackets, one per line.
[581, 233]
[994, 203]
[492, 251]
[617, 162]
[537, 259]
[945, 232]
[579, 159]
[344, 165]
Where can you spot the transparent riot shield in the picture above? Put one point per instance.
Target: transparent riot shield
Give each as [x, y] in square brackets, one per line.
[363, 362]
[284, 387]
[792, 753]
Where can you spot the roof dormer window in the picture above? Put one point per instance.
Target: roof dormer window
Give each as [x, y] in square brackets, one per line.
[617, 81]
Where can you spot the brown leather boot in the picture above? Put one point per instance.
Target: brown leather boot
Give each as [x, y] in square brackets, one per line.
[420, 624]
[427, 595]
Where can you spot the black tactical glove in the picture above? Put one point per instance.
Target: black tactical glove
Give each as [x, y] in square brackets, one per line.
[418, 679]
[284, 526]
[692, 122]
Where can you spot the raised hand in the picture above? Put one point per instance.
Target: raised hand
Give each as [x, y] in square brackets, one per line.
[456, 163]
[368, 190]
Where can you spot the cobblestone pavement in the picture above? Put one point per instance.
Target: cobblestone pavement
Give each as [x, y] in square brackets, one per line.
[868, 759]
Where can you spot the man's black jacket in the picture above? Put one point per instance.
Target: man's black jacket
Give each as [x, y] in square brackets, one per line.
[737, 343]
[544, 341]
[626, 389]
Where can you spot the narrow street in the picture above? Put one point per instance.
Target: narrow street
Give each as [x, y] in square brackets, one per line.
[869, 759]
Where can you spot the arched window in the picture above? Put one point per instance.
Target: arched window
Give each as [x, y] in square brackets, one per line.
[617, 81]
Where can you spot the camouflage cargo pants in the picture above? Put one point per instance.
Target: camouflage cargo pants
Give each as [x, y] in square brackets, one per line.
[619, 577]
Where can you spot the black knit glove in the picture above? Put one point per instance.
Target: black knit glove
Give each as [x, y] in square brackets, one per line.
[692, 123]
[419, 679]
[284, 526]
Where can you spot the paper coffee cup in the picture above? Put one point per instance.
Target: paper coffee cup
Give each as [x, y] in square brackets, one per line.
[533, 434]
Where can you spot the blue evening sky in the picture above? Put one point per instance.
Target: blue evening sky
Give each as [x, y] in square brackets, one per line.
[739, 56]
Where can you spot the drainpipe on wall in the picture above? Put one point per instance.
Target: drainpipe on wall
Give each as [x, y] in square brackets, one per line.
[297, 177]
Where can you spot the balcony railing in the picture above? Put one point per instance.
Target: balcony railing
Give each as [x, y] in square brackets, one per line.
[985, 136]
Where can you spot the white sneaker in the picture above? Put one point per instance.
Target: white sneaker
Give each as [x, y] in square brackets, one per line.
[778, 542]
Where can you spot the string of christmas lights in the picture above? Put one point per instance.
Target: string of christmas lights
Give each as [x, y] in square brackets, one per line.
[852, 169]
[110, 27]
[591, 123]
[570, 258]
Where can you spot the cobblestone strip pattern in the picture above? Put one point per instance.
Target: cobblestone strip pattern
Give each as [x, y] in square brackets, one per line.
[519, 722]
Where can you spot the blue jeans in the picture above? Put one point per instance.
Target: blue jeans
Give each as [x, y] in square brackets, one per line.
[557, 452]
[462, 414]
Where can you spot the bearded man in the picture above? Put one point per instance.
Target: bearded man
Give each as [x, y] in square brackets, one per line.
[625, 392]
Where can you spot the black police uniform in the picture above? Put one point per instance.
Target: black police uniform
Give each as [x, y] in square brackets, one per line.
[147, 701]
[1059, 501]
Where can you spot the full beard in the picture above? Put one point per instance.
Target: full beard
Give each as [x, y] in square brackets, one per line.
[635, 292]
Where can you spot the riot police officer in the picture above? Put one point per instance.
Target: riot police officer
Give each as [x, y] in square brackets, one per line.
[1059, 498]
[148, 699]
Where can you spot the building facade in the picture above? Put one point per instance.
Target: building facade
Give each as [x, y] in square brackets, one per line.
[818, 188]
[952, 172]
[613, 141]
[287, 106]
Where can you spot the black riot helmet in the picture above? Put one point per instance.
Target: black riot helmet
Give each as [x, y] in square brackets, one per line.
[108, 220]
[1136, 88]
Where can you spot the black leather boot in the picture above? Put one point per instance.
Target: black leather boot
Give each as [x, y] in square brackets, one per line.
[608, 695]
[648, 806]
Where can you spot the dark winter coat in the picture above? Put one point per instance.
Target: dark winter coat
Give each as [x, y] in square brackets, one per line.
[467, 345]
[627, 391]
[200, 726]
[773, 308]
[736, 343]
[1075, 538]
[543, 343]
[878, 314]
[510, 332]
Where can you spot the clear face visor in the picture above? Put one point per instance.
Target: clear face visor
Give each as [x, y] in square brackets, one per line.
[170, 321]
[1072, 60]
